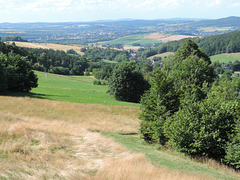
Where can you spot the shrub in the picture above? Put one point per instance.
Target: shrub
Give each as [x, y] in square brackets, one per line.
[127, 82]
[97, 82]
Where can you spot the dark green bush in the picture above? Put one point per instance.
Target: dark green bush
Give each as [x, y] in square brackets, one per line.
[127, 82]
[203, 128]
[233, 150]
[18, 73]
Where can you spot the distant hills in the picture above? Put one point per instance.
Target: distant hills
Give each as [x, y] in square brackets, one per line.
[106, 30]
[232, 21]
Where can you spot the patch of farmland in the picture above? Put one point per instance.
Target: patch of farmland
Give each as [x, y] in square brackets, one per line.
[76, 48]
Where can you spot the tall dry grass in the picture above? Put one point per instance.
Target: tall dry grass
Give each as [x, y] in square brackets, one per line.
[115, 119]
[42, 139]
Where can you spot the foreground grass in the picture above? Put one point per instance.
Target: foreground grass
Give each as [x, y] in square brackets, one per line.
[77, 89]
[43, 139]
[173, 160]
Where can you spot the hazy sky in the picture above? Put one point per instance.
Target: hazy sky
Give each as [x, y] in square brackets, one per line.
[88, 10]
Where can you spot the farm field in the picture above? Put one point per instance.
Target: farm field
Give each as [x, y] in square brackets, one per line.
[226, 57]
[167, 37]
[147, 39]
[128, 40]
[53, 138]
[77, 48]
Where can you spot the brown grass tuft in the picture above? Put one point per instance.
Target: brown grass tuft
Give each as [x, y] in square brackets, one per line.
[135, 166]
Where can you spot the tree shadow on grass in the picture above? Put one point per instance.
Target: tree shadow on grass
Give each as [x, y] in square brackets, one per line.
[29, 94]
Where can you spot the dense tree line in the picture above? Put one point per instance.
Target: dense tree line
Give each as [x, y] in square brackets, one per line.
[56, 61]
[97, 54]
[49, 60]
[212, 45]
[189, 108]
[13, 38]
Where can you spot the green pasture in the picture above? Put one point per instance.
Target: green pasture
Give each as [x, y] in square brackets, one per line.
[226, 57]
[128, 40]
[77, 89]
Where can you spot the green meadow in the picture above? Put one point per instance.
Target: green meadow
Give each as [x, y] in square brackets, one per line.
[76, 89]
[226, 57]
[128, 40]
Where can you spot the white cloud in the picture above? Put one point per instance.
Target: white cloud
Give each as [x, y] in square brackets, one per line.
[214, 3]
[235, 5]
[108, 9]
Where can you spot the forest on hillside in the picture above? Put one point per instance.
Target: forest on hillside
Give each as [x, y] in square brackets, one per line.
[212, 45]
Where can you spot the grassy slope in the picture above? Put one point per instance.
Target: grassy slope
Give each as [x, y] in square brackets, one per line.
[225, 58]
[111, 120]
[172, 160]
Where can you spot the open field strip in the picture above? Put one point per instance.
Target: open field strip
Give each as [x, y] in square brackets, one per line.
[77, 48]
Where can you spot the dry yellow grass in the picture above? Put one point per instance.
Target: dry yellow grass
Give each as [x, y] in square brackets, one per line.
[33, 148]
[115, 119]
[77, 48]
[43, 139]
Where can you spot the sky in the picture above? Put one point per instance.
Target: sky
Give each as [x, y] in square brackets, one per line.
[91, 10]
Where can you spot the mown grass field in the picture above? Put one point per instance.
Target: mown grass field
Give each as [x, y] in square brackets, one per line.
[226, 57]
[67, 128]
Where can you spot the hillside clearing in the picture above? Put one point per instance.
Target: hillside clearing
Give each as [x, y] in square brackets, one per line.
[162, 55]
[226, 57]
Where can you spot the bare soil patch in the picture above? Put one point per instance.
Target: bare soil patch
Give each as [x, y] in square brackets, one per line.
[156, 36]
[176, 38]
